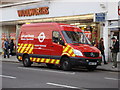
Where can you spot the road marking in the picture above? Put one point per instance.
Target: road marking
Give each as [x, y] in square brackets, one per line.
[60, 85]
[111, 78]
[113, 72]
[8, 76]
[72, 73]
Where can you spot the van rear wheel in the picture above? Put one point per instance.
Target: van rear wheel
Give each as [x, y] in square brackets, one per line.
[65, 64]
[26, 61]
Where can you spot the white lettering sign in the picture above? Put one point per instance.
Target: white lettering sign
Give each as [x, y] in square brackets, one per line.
[27, 37]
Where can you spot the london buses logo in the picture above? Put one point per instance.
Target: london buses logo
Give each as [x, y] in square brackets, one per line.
[41, 37]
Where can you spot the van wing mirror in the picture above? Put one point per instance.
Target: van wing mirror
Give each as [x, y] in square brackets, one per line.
[62, 42]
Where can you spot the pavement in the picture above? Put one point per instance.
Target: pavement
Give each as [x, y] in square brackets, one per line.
[103, 67]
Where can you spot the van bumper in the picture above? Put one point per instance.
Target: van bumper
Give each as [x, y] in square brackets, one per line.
[76, 61]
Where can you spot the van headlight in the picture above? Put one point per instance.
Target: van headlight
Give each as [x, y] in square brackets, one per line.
[77, 52]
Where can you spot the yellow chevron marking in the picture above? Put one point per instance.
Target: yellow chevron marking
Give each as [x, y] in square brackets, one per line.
[47, 60]
[34, 59]
[38, 60]
[42, 60]
[28, 47]
[20, 47]
[30, 51]
[73, 55]
[25, 51]
[52, 61]
[31, 58]
[65, 49]
[57, 61]
[70, 51]
[23, 48]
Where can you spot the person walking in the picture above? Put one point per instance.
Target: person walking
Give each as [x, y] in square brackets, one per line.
[5, 46]
[11, 47]
[102, 48]
[114, 50]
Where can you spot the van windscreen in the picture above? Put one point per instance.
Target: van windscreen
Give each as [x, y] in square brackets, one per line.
[75, 37]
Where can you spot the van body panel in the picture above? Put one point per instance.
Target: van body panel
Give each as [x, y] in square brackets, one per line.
[85, 48]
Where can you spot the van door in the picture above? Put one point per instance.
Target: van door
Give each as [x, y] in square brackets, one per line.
[56, 45]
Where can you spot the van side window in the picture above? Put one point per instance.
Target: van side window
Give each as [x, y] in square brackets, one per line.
[55, 37]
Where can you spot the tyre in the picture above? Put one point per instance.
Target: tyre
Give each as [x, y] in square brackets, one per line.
[50, 65]
[65, 64]
[26, 61]
[91, 68]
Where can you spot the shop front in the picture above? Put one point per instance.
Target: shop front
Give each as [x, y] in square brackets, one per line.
[60, 12]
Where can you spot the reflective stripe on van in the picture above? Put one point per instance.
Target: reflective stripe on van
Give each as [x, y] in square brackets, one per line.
[44, 60]
[25, 48]
[68, 50]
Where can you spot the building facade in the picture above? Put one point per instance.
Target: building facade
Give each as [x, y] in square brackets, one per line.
[96, 19]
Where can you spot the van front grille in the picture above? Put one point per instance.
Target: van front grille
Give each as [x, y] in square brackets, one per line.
[91, 54]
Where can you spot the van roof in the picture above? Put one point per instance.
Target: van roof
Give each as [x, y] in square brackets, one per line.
[49, 23]
[63, 25]
[39, 24]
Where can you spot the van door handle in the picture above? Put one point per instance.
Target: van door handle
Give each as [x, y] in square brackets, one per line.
[51, 46]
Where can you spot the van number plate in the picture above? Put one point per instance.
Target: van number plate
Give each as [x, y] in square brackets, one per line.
[92, 63]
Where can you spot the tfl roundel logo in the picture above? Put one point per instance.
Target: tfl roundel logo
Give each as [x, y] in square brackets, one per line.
[41, 37]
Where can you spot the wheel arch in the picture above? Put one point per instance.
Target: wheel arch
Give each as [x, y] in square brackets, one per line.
[24, 55]
[63, 56]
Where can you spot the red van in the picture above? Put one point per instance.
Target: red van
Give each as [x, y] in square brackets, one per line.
[56, 44]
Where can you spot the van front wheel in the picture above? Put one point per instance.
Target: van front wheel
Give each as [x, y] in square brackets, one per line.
[26, 61]
[65, 64]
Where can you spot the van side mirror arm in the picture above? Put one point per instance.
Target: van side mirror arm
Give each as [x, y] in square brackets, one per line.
[62, 42]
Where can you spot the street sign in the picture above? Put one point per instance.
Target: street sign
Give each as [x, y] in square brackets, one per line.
[99, 17]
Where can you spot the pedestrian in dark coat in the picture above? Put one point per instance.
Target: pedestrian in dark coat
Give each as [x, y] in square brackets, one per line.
[5, 46]
[11, 47]
[102, 48]
[114, 50]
